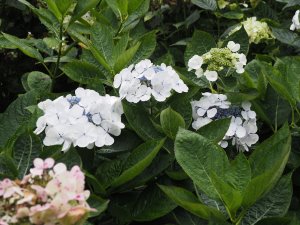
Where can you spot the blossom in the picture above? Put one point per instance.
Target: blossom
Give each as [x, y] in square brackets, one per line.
[40, 165]
[216, 60]
[233, 46]
[141, 81]
[84, 120]
[242, 129]
[55, 196]
[295, 21]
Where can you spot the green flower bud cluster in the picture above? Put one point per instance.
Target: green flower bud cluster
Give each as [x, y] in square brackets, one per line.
[218, 58]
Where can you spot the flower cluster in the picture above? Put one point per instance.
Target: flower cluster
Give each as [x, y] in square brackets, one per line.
[257, 31]
[242, 129]
[50, 194]
[231, 4]
[141, 81]
[295, 21]
[218, 59]
[85, 120]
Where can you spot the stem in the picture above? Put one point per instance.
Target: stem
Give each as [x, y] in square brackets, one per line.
[211, 88]
[59, 47]
[46, 67]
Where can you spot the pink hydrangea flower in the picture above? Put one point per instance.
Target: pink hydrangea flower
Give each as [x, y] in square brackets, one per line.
[40, 165]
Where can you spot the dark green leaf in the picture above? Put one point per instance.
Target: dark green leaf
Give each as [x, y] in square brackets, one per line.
[26, 148]
[206, 4]
[39, 81]
[274, 204]
[152, 204]
[137, 161]
[188, 201]
[216, 130]
[24, 47]
[199, 157]
[200, 44]
[83, 72]
[170, 121]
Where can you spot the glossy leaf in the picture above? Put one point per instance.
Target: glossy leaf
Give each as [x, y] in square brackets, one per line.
[26, 148]
[188, 201]
[170, 122]
[200, 44]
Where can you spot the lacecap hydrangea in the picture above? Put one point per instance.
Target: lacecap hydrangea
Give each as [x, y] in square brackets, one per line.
[50, 195]
[295, 21]
[242, 129]
[84, 120]
[141, 81]
[216, 60]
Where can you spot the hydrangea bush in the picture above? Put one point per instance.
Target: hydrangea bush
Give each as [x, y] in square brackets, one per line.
[154, 112]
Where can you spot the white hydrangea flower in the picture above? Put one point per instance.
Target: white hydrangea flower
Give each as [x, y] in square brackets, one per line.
[141, 81]
[257, 30]
[242, 129]
[295, 21]
[84, 120]
[217, 59]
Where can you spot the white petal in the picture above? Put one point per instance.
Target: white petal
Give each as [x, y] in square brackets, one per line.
[233, 46]
[241, 132]
[201, 112]
[211, 112]
[195, 62]
[211, 75]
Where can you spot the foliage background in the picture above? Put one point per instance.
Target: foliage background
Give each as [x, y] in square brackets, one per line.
[172, 24]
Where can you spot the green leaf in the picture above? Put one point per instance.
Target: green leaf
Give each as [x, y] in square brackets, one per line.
[125, 57]
[82, 7]
[120, 8]
[199, 157]
[275, 204]
[216, 130]
[183, 217]
[15, 117]
[137, 9]
[97, 203]
[8, 167]
[63, 6]
[147, 47]
[206, 4]
[137, 161]
[200, 44]
[151, 204]
[39, 81]
[140, 122]
[83, 72]
[231, 197]
[232, 184]
[94, 183]
[54, 9]
[26, 148]
[70, 158]
[286, 36]
[24, 47]
[159, 164]
[170, 121]
[289, 68]
[254, 78]
[102, 42]
[189, 202]
[4, 43]
[267, 170]
[279, 82]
